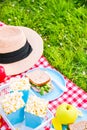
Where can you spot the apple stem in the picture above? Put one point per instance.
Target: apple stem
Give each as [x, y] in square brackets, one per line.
[67, 108]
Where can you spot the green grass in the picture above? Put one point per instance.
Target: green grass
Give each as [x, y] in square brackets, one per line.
[63, 27]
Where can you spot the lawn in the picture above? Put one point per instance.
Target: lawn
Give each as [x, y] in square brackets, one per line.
[63, 27]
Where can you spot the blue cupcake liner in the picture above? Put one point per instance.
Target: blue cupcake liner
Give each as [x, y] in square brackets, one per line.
[32, 120]
[16, 117]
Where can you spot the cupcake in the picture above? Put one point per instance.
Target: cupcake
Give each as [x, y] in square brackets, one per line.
[35, 111]
[13, 106]
[20, 84]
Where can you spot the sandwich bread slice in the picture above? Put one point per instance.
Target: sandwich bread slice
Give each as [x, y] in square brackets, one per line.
[82, 125]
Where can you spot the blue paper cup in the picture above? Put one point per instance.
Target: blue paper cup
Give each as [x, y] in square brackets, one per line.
[16, 117]
[32, 120]
[25, 95]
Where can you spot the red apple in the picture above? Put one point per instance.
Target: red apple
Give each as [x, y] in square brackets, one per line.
[2, 74]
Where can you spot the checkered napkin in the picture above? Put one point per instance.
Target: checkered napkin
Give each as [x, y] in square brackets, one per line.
[74, 94]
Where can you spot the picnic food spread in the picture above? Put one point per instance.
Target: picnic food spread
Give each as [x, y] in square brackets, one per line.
[63, 110]
[33, 110]
[17, 110]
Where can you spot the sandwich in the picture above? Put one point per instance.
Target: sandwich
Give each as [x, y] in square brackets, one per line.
[40, 81]
[82, 125]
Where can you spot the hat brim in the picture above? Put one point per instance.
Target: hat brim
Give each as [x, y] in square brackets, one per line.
[36, 43]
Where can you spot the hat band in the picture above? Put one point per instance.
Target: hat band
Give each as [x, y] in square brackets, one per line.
[17, 55]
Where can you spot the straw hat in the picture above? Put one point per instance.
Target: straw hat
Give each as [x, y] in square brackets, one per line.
[20, 48]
